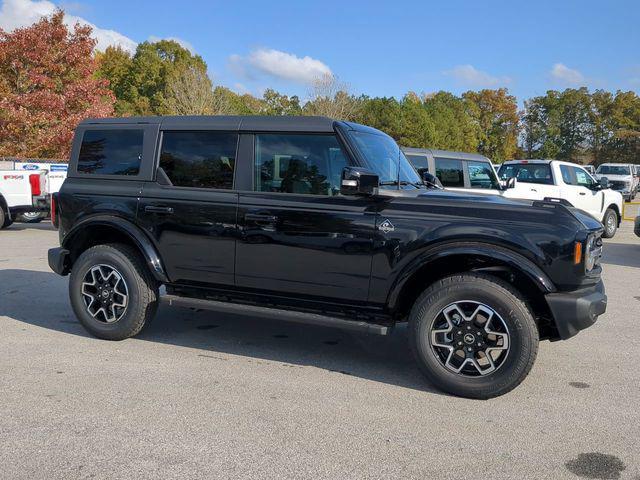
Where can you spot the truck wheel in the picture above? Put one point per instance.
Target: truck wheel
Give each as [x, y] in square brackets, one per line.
[112, 291]
[610, 222]
[5, 220]
[473, 336]
[30, 217]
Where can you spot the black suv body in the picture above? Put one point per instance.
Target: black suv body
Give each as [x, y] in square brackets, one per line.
[320, 221]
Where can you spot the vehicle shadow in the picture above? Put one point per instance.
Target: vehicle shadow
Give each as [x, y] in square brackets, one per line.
[44, 225]
[376, 358]
[622, 254]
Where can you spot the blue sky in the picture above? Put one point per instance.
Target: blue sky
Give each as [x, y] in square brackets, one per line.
[381, 48]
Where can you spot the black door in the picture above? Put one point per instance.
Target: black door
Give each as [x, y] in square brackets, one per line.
[298, 236]
[191, 210]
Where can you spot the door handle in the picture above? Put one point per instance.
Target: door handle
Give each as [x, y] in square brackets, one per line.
[260, 218]
[158, 209]
[582, 193]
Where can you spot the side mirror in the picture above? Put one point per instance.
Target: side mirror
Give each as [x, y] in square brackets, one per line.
[604, 182]
[358, 181]
[429, 179]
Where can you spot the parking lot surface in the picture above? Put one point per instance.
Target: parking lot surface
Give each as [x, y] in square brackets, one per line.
[205, 395]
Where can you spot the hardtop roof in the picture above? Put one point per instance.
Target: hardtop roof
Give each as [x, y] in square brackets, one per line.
[226, 122]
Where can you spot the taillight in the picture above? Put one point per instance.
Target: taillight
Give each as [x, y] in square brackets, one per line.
[54, 213]
[34, 180]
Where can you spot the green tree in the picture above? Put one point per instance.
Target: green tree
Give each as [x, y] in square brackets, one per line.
[455, 129]
[495, 113]
[275, 103]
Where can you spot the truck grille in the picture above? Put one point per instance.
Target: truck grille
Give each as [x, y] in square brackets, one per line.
[617, 185]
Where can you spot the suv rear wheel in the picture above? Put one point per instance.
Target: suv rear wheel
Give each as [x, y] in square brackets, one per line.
[473, 336]
[112, 292]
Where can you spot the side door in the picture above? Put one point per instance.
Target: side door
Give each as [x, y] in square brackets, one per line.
[578, 190]
[190, 208]
[482, 177]
[298, 235]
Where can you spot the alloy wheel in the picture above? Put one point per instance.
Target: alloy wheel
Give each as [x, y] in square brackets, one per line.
[470, 338]
[105, 293]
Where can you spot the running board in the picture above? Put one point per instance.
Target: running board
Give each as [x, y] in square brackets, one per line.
[276, 313]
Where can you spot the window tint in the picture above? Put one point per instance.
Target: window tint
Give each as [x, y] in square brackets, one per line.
[111, 152]
[310, 164]
[481, 175]
[528, 172]
[418, 161]
[199, 159]
[449, 172]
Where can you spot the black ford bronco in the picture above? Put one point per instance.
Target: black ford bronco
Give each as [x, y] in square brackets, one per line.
[319, 221]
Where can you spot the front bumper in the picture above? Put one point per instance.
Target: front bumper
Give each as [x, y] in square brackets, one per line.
[577, 310]
[58, 260]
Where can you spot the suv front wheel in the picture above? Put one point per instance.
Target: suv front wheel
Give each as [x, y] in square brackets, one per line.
[112, 292]
[473, 335]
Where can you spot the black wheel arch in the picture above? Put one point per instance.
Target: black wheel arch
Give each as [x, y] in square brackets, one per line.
[455, 258]
[101, 229]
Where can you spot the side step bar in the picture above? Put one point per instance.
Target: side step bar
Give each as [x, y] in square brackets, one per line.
[276, 313]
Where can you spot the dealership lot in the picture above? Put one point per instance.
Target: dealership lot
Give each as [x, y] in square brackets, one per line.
[202, 395]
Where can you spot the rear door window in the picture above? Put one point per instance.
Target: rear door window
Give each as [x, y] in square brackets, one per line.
[449, 171]
[199, 159]
[111, 152]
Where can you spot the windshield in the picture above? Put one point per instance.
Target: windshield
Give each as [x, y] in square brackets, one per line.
[527, 172]
[382, 154]
[613, 170]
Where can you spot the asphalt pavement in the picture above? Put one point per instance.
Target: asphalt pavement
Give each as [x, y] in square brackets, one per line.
[205, 395]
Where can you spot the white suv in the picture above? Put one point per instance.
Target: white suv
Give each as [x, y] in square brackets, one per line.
[540, 179]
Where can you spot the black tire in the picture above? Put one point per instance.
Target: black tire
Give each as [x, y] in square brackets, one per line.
[31, 217]
[610, 222]
[5, 220]
[141, 287]
[506, 302]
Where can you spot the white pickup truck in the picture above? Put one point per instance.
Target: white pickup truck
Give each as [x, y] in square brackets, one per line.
[22, 191]
[57, 173]
[554, 179]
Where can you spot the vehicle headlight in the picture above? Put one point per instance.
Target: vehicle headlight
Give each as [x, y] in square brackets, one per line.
[593, 252]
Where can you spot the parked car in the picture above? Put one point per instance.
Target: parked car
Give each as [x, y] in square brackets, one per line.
[456, 170]
[56, 174]
[21, 192]
[621, 178]
[569, 182]
[324, 222]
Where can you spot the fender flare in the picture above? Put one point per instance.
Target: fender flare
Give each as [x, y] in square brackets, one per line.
[506, 255]
[136, 234]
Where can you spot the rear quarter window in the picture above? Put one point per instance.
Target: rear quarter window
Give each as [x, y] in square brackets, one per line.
[111, 152]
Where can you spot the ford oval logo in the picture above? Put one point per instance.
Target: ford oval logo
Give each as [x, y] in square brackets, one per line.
[30, 166]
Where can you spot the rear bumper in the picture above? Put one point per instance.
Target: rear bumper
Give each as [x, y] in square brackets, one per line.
[58, 260]
[577, 310]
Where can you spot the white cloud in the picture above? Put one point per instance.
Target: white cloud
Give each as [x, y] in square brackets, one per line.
[21, 13]
[179, 41]
[278, 64]
[565, 75]
[470, 76]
